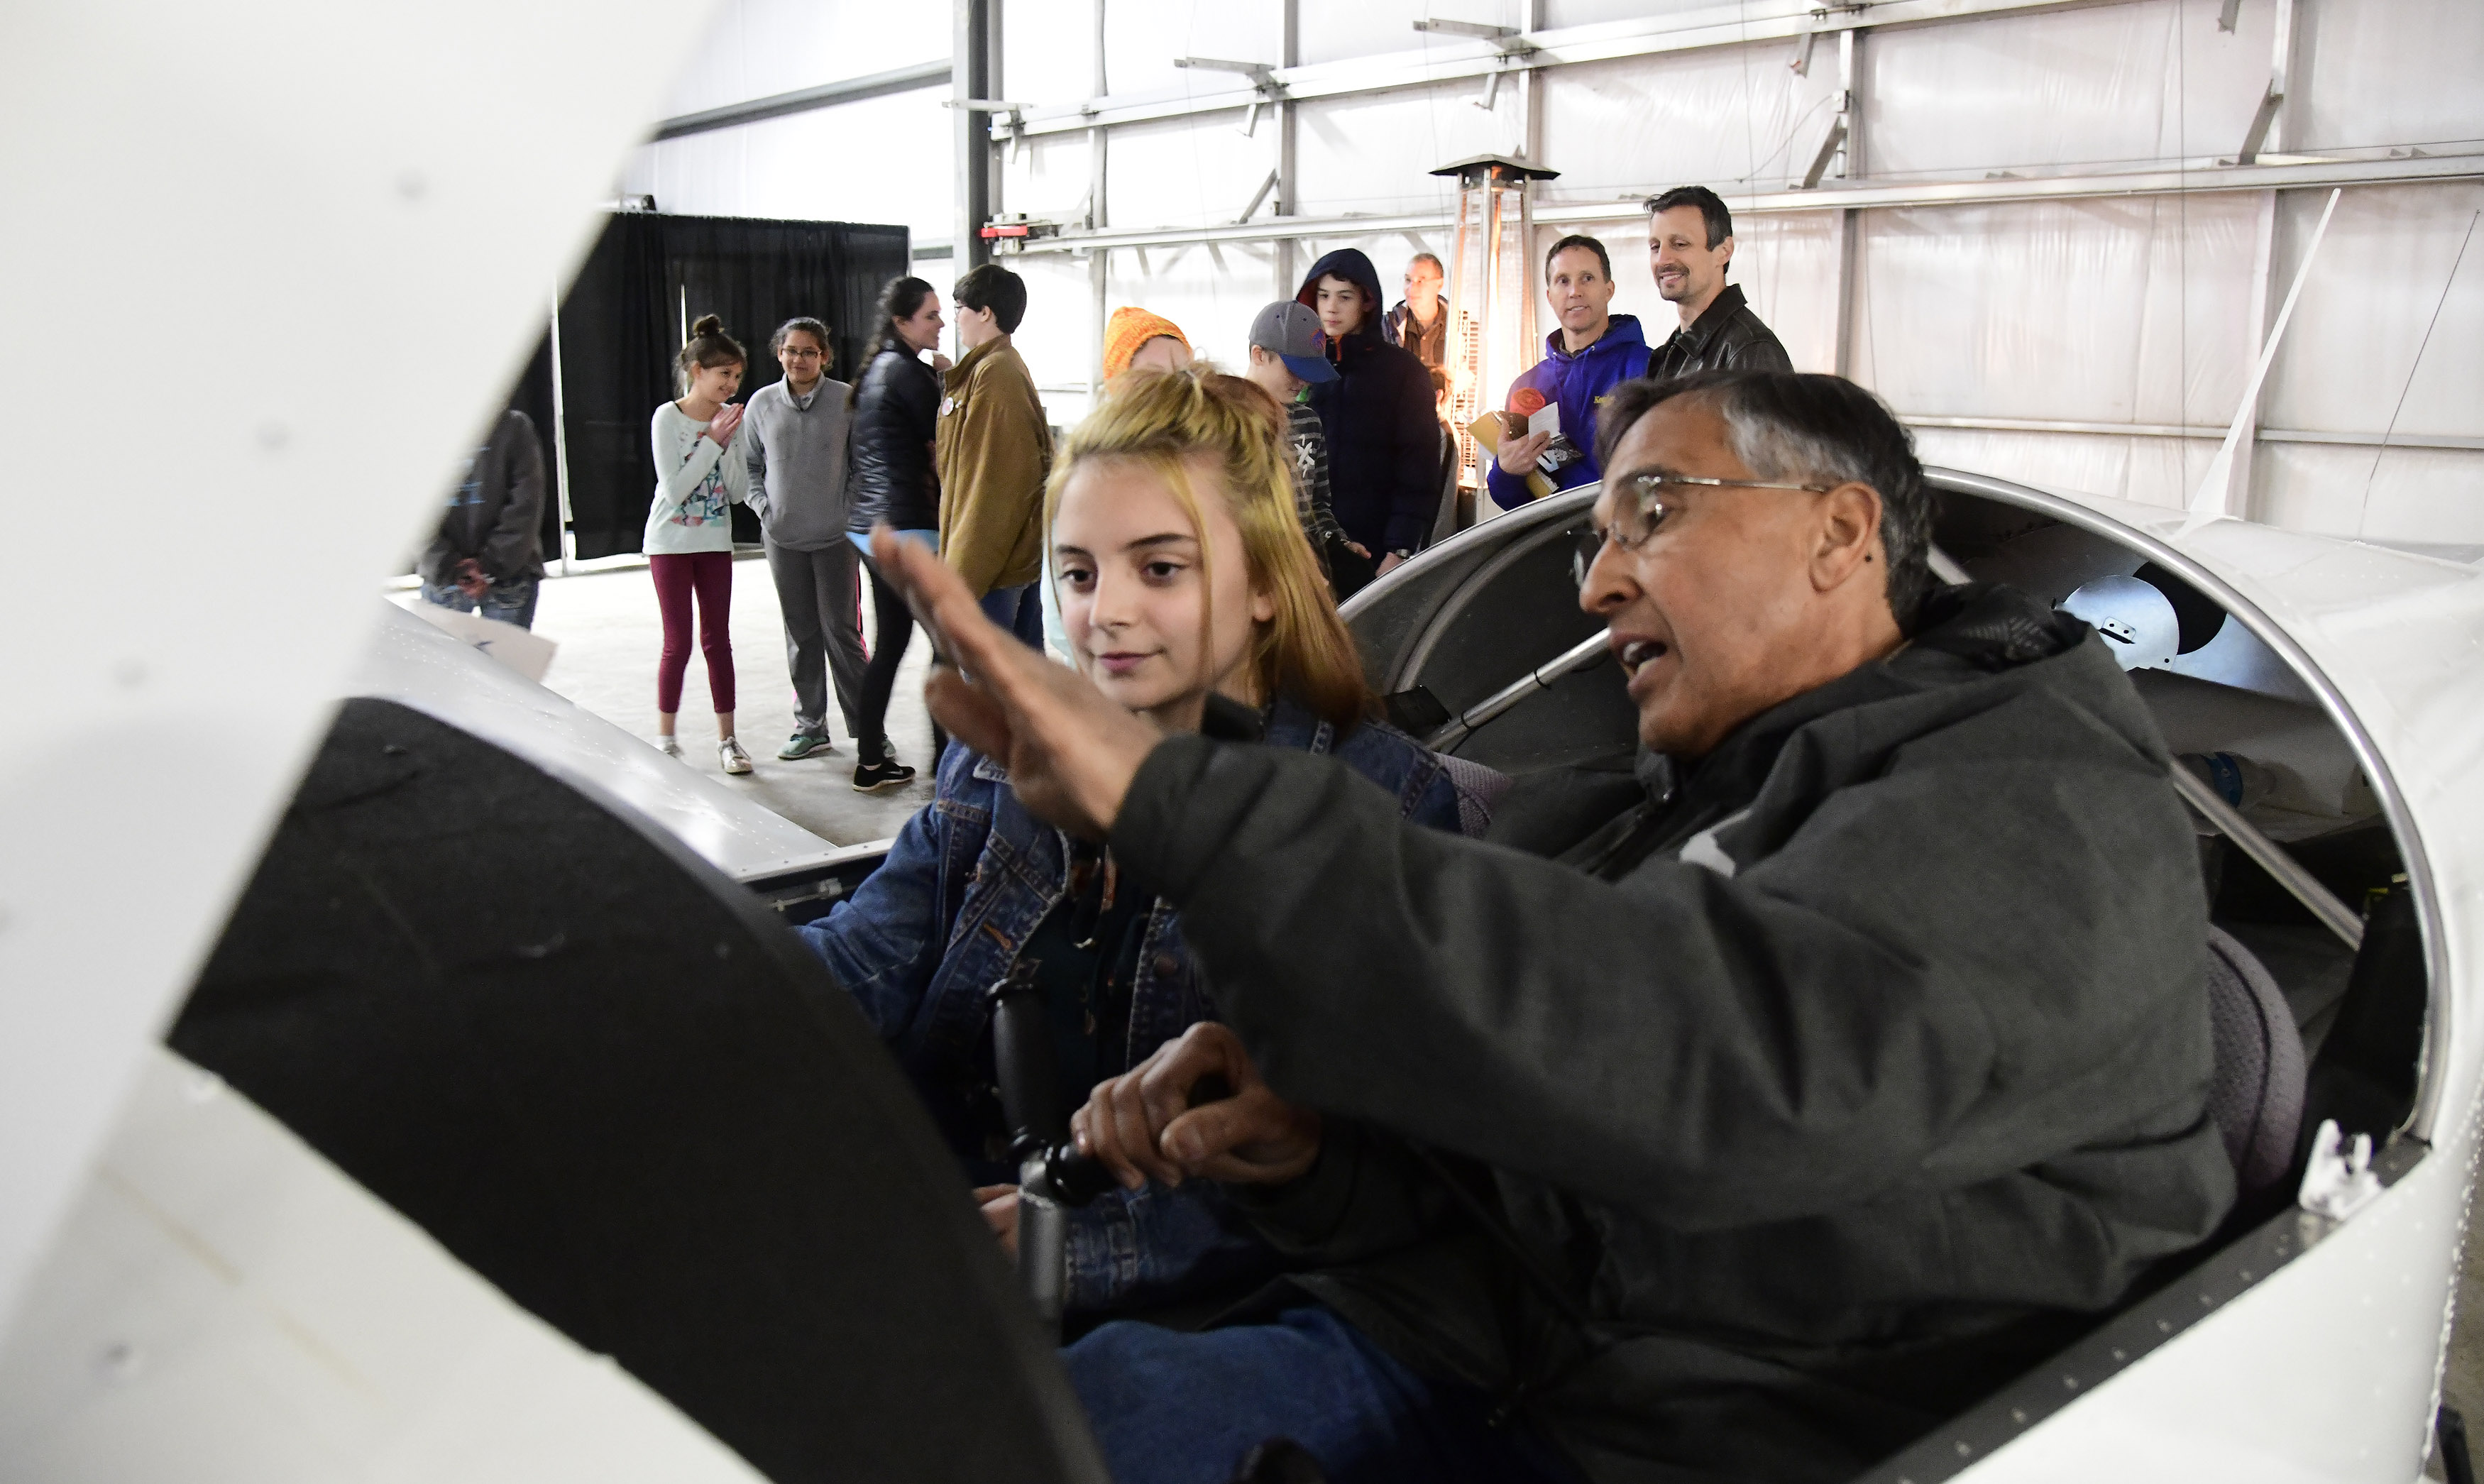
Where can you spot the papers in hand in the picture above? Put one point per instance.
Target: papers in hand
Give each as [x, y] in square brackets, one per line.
[1546, 419]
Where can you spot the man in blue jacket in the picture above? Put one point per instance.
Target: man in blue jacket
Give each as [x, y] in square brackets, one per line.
[1593, 351]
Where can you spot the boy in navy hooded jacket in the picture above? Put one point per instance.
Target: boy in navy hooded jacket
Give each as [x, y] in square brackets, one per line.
[1383, 438]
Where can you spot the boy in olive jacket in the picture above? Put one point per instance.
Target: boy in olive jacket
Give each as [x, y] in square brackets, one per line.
[994, 450]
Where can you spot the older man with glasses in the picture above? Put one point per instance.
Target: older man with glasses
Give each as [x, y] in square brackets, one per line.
[1854, 1063]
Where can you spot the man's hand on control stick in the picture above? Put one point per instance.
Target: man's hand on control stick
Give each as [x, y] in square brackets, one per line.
[1141, 1124]
[1070, 751]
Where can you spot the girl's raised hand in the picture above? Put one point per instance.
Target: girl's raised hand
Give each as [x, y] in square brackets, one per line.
[719, 428]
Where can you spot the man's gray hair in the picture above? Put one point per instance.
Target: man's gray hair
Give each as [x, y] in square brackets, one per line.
[1808, 429]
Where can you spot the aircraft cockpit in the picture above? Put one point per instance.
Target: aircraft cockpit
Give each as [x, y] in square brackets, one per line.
[2322, 923]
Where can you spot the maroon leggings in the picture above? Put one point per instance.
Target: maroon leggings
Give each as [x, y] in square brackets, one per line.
[710, 575]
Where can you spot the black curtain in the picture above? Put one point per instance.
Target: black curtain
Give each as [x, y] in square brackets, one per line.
[621, 325]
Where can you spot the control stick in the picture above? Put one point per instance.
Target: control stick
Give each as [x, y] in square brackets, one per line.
[1052, 1175]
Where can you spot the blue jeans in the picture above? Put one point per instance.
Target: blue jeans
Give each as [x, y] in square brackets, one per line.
[1183, 1408]
[511, 603]
[1019, 610]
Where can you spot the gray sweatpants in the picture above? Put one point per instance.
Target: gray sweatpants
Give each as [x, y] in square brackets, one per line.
[819, 593]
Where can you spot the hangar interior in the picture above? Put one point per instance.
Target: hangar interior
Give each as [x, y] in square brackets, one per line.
[2053, 237]
[329, 1237]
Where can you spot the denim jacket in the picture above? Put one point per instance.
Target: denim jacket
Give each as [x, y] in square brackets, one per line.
[941, 921]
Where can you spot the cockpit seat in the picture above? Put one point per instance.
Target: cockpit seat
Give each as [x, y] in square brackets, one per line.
[2256, 1092]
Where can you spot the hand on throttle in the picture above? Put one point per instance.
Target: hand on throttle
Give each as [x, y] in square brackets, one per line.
[1142, 1126]
[999, 1204]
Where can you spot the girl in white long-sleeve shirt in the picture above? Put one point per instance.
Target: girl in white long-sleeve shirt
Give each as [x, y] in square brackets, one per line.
[689, 530]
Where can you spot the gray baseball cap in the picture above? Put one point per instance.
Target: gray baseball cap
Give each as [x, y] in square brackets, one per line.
[1293, 332]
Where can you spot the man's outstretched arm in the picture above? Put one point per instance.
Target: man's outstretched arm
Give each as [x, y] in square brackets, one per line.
[1810, 1033]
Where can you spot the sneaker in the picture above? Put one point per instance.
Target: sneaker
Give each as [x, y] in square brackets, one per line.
[889, 773]
[670, 746]
[729, 753]
[802, 746]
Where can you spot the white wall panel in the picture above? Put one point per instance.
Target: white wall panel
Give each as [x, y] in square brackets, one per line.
[1374, 153]
[2421, 495]
[1561, 14]
[2374, 73]
[2131, 310]
[885, 159]
[2149, 81]
[1719, 116]
[1058, 337]
[1334, 30]
[2150, 470]
[1187, 171]
[1143, 37]
[1049, 176]
[755, 48]
[1047, 50]
[2350, 353]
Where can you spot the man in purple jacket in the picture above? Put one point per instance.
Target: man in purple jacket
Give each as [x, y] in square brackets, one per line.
[1593, 351]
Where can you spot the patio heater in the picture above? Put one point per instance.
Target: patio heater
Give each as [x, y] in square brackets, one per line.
[1492, 289]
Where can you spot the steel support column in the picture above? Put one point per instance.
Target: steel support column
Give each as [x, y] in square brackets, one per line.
[1099, 262]
[1849, 219]
[1288, 132]
[971, 76]
[2267, 132]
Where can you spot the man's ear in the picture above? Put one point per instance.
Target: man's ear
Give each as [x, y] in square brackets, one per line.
[1725, 247]
[1849, 536]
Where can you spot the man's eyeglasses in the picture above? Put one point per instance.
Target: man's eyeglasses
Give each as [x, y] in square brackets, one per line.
[1642, 508]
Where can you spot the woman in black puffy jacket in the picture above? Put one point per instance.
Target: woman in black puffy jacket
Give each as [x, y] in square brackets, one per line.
[896, 402]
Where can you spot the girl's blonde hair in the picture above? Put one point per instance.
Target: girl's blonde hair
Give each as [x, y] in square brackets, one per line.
[1162, 418]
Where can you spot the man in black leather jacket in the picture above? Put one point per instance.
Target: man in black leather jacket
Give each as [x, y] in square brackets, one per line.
[1841, 1070]
[1689, 247]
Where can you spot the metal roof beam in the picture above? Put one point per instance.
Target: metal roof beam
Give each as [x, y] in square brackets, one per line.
[2296, 174]
[852, 89]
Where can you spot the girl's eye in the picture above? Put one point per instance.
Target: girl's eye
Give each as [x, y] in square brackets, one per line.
[1077, 577]
[1162, 570]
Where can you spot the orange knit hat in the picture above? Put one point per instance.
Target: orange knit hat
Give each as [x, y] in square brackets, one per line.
[1130, 328]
